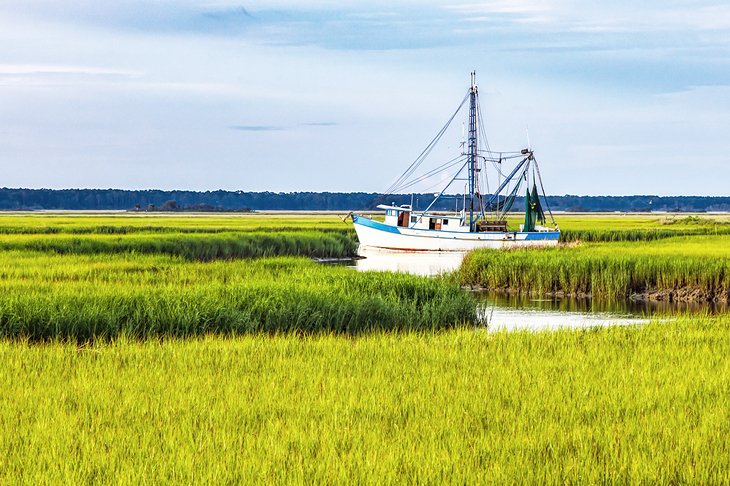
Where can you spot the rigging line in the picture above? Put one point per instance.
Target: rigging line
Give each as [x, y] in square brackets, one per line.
[430, 174]
[414, 165]
[495, 162]
[425, 176]
[506, 200]
[516, 189]
[502, 152]
[486, 179]
[509, 178]
[502, 155]
[542, 187]
[440, 184]
[510, 201]
[413, 170]
[497, 167]
[485, 139]
[450, 182]
[482, 130]
[443, 166]
[499, 182]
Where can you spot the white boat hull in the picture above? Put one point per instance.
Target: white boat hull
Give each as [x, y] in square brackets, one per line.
[374, 234]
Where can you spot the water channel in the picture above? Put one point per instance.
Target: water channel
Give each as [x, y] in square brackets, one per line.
[511, 312]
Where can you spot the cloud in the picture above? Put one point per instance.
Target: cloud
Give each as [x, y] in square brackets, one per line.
[278, 128]
[320, 124]
[258, 128]
[43, 69]
[398, 25]
[142, 83]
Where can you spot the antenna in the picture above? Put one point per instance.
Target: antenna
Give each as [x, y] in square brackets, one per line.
[527, 130]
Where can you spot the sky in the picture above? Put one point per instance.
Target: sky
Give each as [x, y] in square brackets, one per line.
[618, 97]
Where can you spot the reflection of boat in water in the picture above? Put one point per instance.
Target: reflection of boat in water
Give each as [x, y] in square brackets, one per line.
[415, 263]
[481, 223]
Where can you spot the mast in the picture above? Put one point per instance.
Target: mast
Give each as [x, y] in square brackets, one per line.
[472, 150]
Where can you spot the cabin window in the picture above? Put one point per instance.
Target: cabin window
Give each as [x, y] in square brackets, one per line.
[446, 221]
[414, 219]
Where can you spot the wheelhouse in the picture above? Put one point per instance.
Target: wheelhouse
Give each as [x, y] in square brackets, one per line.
[405, 217]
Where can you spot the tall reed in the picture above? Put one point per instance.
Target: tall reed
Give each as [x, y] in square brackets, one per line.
[193, 246]
[104, 296]
[638, 234]
[608, 270]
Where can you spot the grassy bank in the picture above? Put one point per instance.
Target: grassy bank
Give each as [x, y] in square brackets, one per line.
[140, 222]
[193, 246]
[80, 297]
[613, 405]
[196, 238]
[693, 267]
[631, 227]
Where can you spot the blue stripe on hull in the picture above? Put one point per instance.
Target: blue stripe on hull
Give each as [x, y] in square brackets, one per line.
[542, 235]
[374, 224]
[531, 236]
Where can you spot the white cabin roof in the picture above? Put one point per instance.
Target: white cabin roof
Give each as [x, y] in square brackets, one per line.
[397, 208]
[407, 208]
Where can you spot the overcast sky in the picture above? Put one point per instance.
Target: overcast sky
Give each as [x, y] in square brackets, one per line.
[620, 97]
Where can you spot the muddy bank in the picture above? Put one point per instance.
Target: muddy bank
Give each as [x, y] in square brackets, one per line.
[684, 294]
[680, 294]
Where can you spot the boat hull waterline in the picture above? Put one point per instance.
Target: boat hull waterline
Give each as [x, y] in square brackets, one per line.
[374, 234]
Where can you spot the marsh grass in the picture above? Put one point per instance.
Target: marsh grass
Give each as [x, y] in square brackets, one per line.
[640, 234]
[610, 270]
[617, 405]
[192, 245]
[80, 297]
[126, 359]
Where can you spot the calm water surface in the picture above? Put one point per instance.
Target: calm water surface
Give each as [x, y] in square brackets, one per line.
[524, 312]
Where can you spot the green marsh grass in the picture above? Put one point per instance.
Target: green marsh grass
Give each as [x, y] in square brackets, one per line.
[193, 246]
[611, 270]
[141, 349]
[640, 234]
[603, 227]
[81, 222]
[617, 405]
[102, 296]
[193, 237]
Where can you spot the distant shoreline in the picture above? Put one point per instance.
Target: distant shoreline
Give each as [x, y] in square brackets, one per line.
[20, 199]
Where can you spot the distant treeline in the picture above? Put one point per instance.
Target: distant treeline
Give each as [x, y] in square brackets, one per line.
[154, 200]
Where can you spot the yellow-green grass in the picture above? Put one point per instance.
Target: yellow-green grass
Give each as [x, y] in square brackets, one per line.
[583, 227]
[633, 227]
[620, 405]
[86, 297]
[615, 269]
[82, 223]
[194, 246]
[193, 237]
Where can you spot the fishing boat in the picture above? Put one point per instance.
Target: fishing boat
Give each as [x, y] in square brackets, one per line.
[481, 222]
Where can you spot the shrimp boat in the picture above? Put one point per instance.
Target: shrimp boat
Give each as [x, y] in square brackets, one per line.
[482, 220]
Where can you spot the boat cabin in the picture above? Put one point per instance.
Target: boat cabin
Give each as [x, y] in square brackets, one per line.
[405, 217]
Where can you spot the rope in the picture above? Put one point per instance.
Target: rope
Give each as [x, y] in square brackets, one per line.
[446, 165]
[422, 156]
